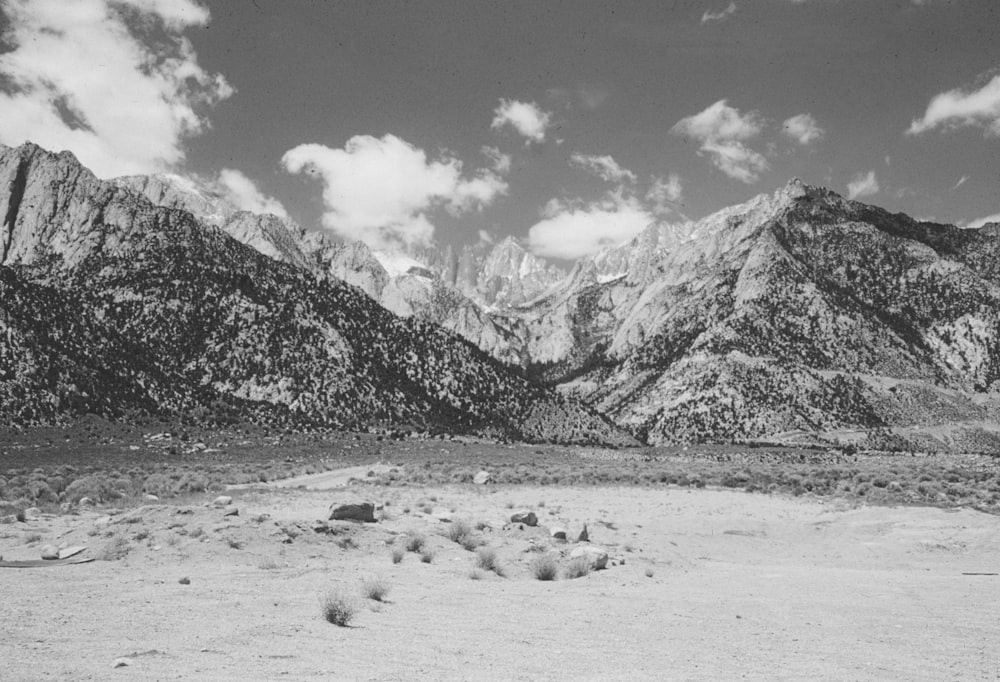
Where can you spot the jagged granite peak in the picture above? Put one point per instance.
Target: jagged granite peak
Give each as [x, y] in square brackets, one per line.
[113, 306]
[175, 191]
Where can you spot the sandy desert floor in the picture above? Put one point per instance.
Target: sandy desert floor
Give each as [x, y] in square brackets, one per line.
[703, 585]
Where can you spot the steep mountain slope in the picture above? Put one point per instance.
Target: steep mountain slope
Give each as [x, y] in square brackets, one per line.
[111, 305]
[806, 312]
[796, 314]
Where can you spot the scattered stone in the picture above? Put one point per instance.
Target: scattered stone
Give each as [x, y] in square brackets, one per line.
[66, 507]
[86, 502]
[482, 478]
[67, 552]
[32, 513]
[102, 520]
[361, 511]
[222, 501]
[443, 516]
[584, 535]
[121, 663]
[597, 557]
[149, 497]
[525, 516]
[185, 581]
[231, 511]
[557, 533]
[50, 552]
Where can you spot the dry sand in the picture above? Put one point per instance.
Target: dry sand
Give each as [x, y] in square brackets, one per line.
[743, 586]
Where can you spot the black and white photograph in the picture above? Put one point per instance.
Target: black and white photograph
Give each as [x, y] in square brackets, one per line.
[390, 340]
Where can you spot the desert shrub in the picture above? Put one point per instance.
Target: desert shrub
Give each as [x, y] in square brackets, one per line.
[577, 568]
[40, 492]
[375, 588]
[487, 559]
[458, 530]
[158, 484]
[338, 608]
[544, 567]
[427, 555]
[191, 482]
[397, 554]
[114, 550]
[415, 542]
[97, 488]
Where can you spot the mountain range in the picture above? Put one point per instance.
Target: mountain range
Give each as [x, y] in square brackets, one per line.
[797, 316]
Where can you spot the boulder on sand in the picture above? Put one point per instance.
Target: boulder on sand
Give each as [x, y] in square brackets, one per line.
[482, 478]
[222, 501]
[525, 516]
[50, 552]
[557, 533]
[597, 557]
[355, 511]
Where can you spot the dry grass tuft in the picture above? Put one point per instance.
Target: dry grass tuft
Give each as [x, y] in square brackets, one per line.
[577, 568]
[375, 588]
[415, 542]
[487, 559]
[397, 554]
[338, 608]
[545, 567]
[427, 556]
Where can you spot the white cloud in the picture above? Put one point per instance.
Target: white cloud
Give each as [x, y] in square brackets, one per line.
[664, 193]
[803, 129]
[862, 185]
[721, 129]
[961, 181]
[718, 16]
[525, 117]
[113, 81]
[381, 191]
[499, 160]
[574, 230]
[979, 222]
[485, 237]
[604, 167]
[243, 193]
[959, 108]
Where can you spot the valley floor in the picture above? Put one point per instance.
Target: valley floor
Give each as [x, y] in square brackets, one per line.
[702, 585]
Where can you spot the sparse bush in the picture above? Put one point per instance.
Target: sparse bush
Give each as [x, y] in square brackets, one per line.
[427, 555]
[649, 573]
[117, 549]
[487, 559]
[34, 537]
[338, 608]
[191, 482]
[544, 567]
[475, 574]
[415, 542]
[268, 564]
[375, 588]
[397, 554]
[158, 484]
[577, 568]
[458, 530]
[234, 543]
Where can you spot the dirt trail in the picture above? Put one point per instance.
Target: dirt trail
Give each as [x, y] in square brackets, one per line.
[713, 585]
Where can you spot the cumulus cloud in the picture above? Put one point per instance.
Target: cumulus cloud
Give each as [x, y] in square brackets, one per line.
[381, 191]
[665, 193]
[499, 160]
[862, 185]
[527, 118]
[243, 193]
[803, 129]
[721, 15]
[604, 167]
[979, 222]
[722, 130]
[974, 106]
[574, 229]
[113, 81]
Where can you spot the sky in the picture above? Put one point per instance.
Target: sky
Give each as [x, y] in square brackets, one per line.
[569, 125]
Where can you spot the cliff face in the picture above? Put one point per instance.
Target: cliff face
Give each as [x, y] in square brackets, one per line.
[114, 306]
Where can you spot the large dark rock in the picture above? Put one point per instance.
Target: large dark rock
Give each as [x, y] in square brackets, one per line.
[357, 511]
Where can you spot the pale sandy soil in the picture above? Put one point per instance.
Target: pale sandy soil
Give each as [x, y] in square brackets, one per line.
[743, 586]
